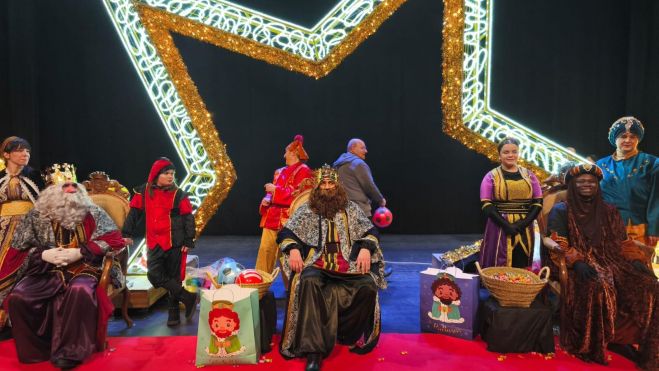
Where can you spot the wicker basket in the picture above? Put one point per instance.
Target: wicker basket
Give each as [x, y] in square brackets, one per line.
[513, 294]
[263, 287]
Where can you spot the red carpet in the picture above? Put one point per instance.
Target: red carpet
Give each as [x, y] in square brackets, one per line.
[397, 352]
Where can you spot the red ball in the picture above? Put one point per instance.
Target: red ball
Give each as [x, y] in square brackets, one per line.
[382, 217]
[249, 276]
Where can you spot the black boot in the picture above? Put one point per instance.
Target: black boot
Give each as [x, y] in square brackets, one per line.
[190, 300]
[313, 362]
[65, 364]
[5, 329]
[624, 350]
[174, 318]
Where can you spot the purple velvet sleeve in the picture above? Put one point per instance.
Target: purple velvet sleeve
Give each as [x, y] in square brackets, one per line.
[487, 187]
[535, 185]
[36, 265]
[89, 256]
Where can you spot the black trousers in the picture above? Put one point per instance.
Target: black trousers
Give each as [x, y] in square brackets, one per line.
[165, 269]
[334, 307]
[268, 313]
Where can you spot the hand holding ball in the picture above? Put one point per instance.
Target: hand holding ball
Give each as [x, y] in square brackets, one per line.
[382, 217]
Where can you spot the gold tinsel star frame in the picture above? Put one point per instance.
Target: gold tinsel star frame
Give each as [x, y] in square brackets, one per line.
[145, 28]
[468, 117]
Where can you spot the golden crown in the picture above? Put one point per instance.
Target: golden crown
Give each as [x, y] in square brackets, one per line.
[219, 304]
[60, 173]
[326, 172]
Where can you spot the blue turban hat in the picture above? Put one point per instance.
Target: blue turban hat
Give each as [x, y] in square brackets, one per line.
[626, 124]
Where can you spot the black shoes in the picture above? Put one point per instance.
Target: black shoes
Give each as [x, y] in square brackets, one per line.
[65, 364]
[190, 301]
[313, 362]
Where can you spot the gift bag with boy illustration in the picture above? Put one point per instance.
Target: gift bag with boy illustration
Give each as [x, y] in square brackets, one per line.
[448, 302]
[229, 327]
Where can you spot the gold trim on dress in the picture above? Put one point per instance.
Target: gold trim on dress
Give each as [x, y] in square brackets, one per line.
[636, 231]
[5, 239]
[14, 208]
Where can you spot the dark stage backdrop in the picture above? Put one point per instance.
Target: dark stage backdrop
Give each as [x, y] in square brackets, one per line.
[566, 68]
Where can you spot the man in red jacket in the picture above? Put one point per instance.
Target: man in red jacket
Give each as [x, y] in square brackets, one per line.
[289, 181]
[170, 232]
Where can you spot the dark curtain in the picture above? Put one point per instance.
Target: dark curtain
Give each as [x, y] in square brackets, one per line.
[565, 68]
[569, 69]
[19, 102]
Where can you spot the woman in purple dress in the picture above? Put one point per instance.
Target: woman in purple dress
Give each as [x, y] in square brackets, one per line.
[511, 199]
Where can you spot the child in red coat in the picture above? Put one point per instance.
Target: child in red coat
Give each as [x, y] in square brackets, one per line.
[170, 232]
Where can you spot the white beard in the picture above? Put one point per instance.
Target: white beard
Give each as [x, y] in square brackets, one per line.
[68, 209]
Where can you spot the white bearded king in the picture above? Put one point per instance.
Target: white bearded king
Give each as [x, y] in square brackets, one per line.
[67, 209]
[67, 237]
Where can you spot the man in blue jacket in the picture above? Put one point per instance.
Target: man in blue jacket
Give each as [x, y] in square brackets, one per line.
[356, 178]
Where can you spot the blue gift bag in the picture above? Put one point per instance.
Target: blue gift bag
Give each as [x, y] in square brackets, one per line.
[448, 302]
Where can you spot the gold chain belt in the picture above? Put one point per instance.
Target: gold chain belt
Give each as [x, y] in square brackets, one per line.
[520, 207]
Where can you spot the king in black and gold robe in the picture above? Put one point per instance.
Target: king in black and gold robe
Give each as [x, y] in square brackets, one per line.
[330, 301]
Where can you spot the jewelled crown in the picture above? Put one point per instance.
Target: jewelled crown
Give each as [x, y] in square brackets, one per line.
[59, 173]
[326, 172]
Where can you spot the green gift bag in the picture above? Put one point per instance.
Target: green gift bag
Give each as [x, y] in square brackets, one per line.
[229, 327]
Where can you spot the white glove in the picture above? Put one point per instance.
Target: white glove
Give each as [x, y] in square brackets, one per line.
[61, 257]
[70, 256]
[53, 256]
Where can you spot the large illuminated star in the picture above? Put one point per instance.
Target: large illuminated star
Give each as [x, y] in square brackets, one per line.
[466, 76]
[145, 28]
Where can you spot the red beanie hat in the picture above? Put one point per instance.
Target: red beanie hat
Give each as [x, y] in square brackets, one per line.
[160, 166]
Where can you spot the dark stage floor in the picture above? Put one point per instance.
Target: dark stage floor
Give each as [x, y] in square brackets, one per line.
[407, 254]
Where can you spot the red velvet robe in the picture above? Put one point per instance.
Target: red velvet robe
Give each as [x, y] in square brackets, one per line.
[287, 181]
